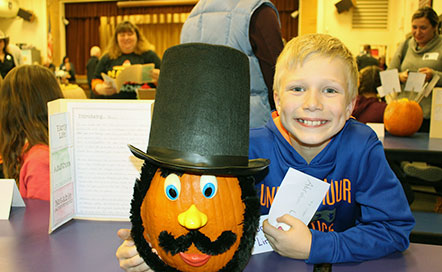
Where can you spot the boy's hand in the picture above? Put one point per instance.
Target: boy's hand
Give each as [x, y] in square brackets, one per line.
[294, 243]
[127, 254]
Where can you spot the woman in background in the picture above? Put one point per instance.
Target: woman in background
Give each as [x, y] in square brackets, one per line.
[6, 59]
[69, 68]
[369, 108]
[128, 46]
[24, 95]
[420, 53]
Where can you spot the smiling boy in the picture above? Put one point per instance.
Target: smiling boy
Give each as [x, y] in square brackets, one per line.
[365, 214]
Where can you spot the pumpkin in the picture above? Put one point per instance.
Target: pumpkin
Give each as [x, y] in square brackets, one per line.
[403, 117]
[195, 222]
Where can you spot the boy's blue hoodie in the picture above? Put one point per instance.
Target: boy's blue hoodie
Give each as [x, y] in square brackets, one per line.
[365, 214]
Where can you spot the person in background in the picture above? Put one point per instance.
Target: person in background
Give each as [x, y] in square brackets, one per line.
[6, 59]
[95, 54]
[314, 90]
[69, 68]
[251, 27]
[422, 53]
[382, 63]
[24, 95]
[16, 53]
[369, 108]
[365, 58]
[48, 64]
[127, 46]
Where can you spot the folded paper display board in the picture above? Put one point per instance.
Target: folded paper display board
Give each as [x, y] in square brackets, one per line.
[436, 114]
[92, 170]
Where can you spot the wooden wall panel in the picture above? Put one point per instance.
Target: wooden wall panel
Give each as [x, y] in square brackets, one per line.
[82, 32]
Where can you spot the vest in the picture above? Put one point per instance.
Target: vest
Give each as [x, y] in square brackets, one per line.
[226, 22]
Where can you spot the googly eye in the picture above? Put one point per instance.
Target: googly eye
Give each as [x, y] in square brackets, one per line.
[209, 186]
[172, 187]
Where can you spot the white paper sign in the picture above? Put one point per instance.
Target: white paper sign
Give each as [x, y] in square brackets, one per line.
[415, 82]
[9, 196]
[390, 81]
[261, 243]
[378, 128]
[431, 85]
[62, 189]
[299, 195]
[105, 169]
[381, 91]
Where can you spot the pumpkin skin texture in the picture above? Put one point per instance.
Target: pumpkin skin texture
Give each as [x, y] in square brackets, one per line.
[403, 117]
[230, 223]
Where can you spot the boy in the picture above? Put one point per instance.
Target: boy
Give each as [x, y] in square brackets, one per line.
[365, 214]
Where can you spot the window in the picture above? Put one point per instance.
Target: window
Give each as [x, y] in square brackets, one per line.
[370, 14]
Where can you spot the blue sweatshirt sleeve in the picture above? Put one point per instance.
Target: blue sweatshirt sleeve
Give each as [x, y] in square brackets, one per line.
[385, 220]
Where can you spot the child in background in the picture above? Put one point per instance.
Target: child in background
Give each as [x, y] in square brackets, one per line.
[365, 214]
[24, 95]
[369, 108]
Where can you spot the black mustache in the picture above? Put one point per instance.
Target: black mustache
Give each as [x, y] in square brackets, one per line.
[201, 241]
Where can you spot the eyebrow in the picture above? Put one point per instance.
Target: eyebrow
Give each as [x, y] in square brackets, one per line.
[166, 171]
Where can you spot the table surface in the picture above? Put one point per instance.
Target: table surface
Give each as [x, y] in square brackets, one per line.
[418, 147]
[82, 245]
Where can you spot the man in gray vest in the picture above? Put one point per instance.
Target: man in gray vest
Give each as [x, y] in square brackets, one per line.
[251, 26]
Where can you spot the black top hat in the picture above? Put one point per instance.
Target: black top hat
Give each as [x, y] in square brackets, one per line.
[200, 121]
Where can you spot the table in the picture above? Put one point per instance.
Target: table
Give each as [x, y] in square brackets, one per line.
[418, 147]
[82, 245]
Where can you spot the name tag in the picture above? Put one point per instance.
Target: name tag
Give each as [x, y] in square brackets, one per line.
[431, 56]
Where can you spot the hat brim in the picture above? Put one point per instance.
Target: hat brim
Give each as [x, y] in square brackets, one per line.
[254, 166]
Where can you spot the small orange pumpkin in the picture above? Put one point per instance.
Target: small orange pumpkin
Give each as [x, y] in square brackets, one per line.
[403, 117]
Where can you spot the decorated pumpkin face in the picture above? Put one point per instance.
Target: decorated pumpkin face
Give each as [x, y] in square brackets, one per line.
[195, 222]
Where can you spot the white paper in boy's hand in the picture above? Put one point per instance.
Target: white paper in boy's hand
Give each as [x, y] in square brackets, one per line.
[390, 81]
[415, 82]
[298, 195]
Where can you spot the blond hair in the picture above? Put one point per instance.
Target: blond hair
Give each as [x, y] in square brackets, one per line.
[301, 48]
[142, 46]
